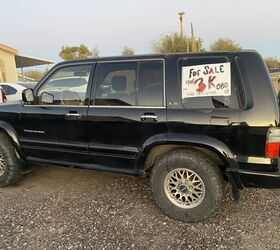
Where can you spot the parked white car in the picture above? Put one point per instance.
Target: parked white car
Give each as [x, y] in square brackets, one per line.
[13, 91]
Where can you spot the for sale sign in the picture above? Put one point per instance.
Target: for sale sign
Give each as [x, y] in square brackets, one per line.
[206, 80]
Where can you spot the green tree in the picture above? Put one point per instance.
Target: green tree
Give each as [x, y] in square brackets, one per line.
[35, 74]
[75, 52]
[272, 62]
[95, 52]
[127, 51]
[174, 42]
[225, 44]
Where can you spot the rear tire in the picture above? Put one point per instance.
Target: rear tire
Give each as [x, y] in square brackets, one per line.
[10, 165]
[187, 185]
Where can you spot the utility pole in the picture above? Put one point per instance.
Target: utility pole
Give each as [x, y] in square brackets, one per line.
[181, 14]
[194, 47]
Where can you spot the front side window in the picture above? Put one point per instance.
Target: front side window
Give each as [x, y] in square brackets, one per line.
[130, 84]
[67, 86]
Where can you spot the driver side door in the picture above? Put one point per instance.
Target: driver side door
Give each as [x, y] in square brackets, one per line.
[54, 127]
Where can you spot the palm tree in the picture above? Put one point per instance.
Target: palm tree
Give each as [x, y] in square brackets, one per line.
[181, 14]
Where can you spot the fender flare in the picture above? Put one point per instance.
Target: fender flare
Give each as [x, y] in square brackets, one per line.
[192, 140]
[13, 136]
[196, 140]
[204, 141]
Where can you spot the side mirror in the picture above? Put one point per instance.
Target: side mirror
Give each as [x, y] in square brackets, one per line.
[28, 95]
[47, 98]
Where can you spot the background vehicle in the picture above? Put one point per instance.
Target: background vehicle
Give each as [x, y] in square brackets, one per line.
[190, 121]
[13, 91]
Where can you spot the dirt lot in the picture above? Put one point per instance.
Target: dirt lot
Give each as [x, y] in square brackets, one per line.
[62, 208]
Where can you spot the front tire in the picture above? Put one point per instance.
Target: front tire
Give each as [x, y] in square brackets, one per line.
[187, 185]
[10, 165]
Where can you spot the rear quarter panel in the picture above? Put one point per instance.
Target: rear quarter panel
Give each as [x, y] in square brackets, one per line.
[242, 130]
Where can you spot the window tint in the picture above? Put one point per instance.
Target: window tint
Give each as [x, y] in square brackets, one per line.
[9, 90]
[67, 86]
[130, 84]
[116, 84]
[6, 89]
[150, 86]
[211, 102]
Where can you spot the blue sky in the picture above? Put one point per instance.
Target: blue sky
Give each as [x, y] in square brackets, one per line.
[40, 28]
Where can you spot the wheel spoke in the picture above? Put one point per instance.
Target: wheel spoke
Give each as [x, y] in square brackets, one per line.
[200, 188]
[172, 180]
[178, 175]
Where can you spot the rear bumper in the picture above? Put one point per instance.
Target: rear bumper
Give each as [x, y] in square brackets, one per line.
[258, 179]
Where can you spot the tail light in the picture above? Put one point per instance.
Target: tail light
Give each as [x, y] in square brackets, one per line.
[4, 97]
[272, 143]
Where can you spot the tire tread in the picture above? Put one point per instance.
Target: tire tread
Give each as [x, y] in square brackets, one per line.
[200, 160]
[13, 164]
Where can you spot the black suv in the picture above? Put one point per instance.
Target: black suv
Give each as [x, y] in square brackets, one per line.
[190, 121]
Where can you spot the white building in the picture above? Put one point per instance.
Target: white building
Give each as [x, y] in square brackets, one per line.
[10, 60]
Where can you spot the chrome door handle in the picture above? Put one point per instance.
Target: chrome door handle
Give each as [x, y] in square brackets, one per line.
[73, 116]
[149, 117]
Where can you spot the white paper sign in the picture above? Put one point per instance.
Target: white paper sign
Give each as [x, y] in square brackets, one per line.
[206, 80]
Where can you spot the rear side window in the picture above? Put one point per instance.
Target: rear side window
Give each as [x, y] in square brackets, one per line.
[116, 84]
[150, 85]
[9, 90]
[208, 83]
[130, 84]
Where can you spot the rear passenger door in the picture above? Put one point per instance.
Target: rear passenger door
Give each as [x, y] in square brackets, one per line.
[128, 108]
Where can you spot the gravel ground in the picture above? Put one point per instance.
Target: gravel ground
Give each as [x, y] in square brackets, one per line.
[62, 208]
